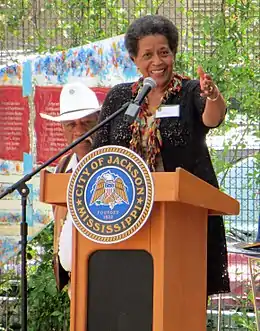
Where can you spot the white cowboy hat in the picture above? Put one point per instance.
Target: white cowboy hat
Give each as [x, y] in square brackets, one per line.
[76, 101]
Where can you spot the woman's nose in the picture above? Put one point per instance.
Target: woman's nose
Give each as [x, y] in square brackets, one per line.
[157, 59]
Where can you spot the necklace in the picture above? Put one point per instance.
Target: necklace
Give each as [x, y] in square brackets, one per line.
[139, 127]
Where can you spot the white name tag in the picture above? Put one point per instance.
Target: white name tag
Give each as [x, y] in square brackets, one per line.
[168, 111]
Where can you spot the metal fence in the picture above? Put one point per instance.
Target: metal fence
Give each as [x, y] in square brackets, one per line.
[29, 27]
[36, 26]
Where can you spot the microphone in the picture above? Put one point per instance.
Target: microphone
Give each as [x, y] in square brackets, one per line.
[133, 108]
[148, 84]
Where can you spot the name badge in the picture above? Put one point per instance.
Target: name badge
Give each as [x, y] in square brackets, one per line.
[168, 111]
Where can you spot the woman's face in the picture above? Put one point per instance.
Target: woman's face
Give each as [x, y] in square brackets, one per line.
[155, 59]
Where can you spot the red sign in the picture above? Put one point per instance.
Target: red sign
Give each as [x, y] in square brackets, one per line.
[101, 93]
[49, 134]
[14, 122]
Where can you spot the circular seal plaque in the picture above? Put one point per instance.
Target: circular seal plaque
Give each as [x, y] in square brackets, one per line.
[110, 194]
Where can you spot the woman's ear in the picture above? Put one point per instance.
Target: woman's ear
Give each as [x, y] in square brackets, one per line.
[132, 58]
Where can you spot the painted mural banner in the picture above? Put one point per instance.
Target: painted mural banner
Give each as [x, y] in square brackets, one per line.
[102, 63]
[38, 214]
[99, 65]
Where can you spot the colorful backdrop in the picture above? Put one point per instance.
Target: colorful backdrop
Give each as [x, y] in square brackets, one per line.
[27, 140]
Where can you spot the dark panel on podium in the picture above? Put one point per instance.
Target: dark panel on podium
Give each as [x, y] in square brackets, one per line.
[120, 291]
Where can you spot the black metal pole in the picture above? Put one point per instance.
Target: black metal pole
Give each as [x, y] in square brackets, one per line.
[23, 189]
[24, 192]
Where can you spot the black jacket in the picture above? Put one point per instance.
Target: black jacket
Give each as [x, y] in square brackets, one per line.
[184, 137]
[184, 145]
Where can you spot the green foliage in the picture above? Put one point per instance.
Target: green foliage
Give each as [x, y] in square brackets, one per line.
[48, 308]
[10, 299]
[57, 25]
[241, 318]
[228, 49]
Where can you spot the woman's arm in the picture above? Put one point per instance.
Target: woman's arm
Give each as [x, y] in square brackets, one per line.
[215, 107]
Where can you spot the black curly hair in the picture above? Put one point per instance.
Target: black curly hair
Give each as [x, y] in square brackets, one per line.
[150, 25]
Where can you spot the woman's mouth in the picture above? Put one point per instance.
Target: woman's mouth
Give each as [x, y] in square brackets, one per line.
[157, 71]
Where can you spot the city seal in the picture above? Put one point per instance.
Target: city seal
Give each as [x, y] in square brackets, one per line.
[110, 194]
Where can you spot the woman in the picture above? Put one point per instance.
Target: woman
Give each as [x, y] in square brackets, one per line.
[173, 136]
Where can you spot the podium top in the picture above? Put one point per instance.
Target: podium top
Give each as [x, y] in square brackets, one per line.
[179, 186]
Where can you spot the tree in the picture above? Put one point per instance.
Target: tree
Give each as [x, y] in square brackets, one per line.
[228, 49]
[44, 25]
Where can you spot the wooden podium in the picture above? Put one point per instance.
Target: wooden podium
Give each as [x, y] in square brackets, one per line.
[175, 236]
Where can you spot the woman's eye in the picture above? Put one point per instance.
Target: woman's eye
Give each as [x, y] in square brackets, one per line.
[165, 53]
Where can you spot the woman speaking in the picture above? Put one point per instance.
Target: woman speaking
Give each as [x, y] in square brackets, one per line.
[171, 127]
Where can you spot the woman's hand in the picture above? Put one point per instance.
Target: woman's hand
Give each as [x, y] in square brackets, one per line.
[215, 107]
[207, 86]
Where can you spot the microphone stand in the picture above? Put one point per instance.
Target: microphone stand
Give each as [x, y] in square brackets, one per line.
[23, 190]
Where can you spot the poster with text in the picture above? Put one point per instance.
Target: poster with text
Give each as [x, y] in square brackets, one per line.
[14, 123]
[49, 134]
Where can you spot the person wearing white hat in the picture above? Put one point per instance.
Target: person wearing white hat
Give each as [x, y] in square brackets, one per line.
[79, 108]
[78, 113]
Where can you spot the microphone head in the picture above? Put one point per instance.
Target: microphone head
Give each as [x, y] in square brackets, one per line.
[150, 81]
